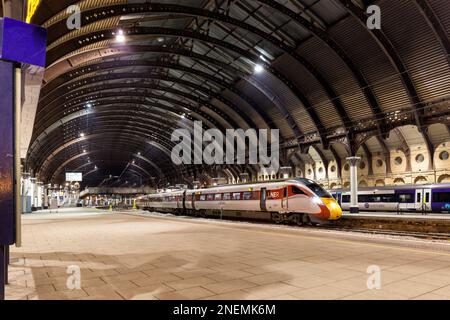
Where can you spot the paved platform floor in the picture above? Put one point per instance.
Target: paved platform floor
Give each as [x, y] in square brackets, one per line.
[133, 257]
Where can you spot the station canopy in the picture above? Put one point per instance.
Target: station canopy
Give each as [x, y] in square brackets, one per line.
[116, 88]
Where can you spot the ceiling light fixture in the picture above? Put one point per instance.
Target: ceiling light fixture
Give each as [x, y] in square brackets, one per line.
[259, 68]
[120, 36]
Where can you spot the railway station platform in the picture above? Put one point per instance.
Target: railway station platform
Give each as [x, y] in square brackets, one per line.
[132, 255]
[275, 115]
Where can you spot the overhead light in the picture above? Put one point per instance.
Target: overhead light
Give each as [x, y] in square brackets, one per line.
[160, 39]
[259, 68]
[120, 36]
[139, 153]
[88, 105]
[82, 135]
[84, 150]
[183, 116]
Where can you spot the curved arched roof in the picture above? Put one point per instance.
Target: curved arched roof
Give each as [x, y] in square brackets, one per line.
[327, 79]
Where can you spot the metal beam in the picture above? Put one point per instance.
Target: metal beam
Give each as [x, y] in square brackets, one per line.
[77, 43]
[125, 97]
[158, 126]
[131, 134]
[88, 92]
[435, 24]
[396, 61]
[63, 80]
[122, 76]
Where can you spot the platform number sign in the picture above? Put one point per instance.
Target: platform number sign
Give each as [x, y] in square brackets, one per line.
[7, 212]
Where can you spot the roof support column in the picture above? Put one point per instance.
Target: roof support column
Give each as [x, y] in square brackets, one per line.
[354, 162]
[13, 9]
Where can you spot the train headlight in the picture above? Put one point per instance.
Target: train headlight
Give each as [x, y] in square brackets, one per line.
[317, 200]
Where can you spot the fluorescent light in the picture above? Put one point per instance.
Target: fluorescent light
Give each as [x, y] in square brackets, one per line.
[259, 68]
[120, 36]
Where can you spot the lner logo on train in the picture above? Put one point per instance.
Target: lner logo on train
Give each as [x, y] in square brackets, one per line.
[274, 194]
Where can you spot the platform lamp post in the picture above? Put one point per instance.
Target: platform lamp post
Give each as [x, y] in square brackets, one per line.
[354, 161]
[20, 43]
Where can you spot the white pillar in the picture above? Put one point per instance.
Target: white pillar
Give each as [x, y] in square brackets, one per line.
[354, 161]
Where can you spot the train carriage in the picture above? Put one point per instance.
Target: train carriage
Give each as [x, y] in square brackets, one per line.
[421, 198]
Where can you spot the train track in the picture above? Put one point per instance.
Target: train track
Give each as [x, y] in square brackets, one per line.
[413, 234]
[387, 232]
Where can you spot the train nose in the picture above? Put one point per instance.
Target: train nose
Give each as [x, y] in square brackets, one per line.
[334, 208]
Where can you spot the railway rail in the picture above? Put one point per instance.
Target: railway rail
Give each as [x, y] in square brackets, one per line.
[416, 234]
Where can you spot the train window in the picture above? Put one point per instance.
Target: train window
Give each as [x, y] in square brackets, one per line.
[419, 197]
[248, 195]
[388, 198]
[227, 196]
[202, 197]
[218, 197]
[346, 198]
[427, 197]
[210, 197]
[296, 190]
[318, 190]
[405, 198]
[374, 198]
[441, 196]
[236, 196]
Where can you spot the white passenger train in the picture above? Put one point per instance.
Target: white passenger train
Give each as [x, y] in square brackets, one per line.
[412, 198]
[297, 200]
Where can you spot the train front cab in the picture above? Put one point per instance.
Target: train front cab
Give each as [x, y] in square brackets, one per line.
[320, 198]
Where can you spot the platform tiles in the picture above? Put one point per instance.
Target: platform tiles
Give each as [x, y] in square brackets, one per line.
[122, 256]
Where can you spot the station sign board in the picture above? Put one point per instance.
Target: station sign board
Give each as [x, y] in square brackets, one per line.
[7, 174]
[74, 177]
[22, 42]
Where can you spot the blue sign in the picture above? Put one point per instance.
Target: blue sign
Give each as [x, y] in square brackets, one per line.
[22, 42]
[7, 212]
